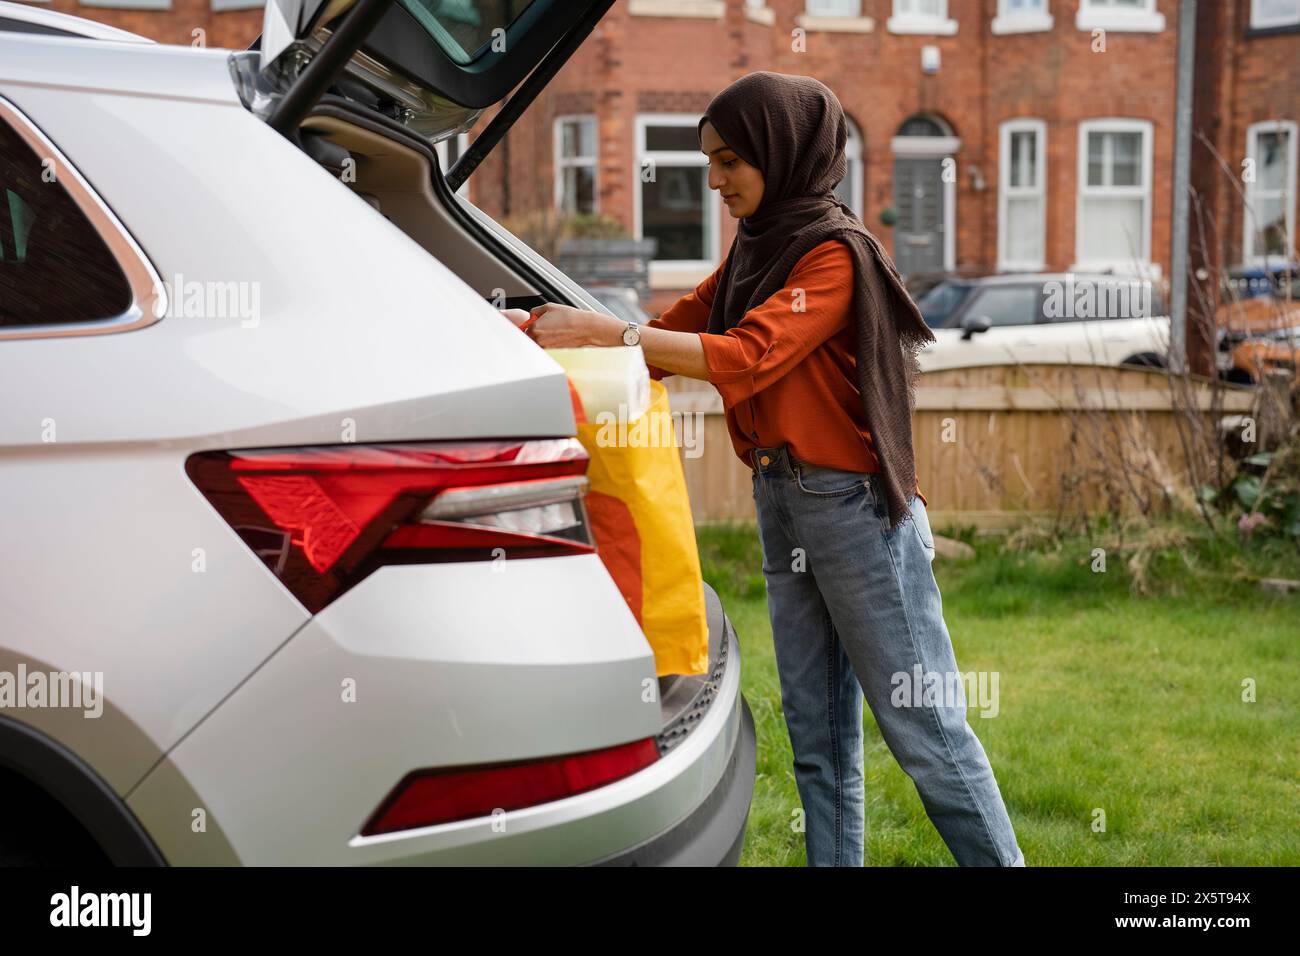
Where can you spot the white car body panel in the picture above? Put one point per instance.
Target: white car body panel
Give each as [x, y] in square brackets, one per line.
[223, 693]
[129, 408]
[1096, 342]
[480, 680]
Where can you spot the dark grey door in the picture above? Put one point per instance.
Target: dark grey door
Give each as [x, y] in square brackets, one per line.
[918, 197]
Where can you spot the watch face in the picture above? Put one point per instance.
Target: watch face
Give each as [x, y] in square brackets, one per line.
[631, 336]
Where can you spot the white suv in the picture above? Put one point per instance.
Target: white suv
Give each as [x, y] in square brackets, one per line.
[294, 546]
[1052, 318]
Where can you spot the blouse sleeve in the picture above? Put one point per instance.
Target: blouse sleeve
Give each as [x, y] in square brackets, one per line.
[773, 337]
[690, 313]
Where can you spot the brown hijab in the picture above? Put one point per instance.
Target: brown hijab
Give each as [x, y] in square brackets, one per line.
[793, 129]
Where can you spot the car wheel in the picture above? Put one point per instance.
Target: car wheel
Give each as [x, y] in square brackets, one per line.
[1145, 360]
[35, 829]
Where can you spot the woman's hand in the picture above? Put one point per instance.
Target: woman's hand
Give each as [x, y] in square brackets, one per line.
[558, 326]
[517, 316]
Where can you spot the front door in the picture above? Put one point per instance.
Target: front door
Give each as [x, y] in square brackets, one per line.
[918, 197]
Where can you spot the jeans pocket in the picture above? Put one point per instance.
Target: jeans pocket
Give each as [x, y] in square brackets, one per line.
[921, 521]
[828, 482]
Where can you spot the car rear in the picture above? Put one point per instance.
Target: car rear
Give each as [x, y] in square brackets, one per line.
[459, 695]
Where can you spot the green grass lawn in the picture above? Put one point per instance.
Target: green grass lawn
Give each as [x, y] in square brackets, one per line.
[1131, 704]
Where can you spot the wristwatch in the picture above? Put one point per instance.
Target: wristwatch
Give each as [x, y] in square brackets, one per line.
[632, 334]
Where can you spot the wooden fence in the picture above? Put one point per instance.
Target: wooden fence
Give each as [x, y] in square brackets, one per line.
[995, 444]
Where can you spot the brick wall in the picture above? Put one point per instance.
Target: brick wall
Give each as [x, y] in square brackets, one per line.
[229, 28]
[676, 64]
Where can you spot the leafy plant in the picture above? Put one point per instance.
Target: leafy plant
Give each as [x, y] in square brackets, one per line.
[1264, 495]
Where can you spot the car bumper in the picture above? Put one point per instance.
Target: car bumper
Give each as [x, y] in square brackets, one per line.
[714, 833]
[284, 741]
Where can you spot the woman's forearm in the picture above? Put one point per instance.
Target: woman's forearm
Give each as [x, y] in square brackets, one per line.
[561, 326]
[676, 352]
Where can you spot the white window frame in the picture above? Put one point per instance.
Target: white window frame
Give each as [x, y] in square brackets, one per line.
[853, 153]
[938, 24]
[1023, 21]
[830, 21]
[1007, 192]
[675, 273]
[811, 8]
[1252, 191]
[1102, 15]
[563, 162]
[1114, 124]
[462, 141]
[760, 12]
[1259, 22]
[129, 4]
[702, 9]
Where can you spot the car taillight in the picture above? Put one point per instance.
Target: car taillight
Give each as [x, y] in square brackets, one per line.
[324, 517]
[428, 797]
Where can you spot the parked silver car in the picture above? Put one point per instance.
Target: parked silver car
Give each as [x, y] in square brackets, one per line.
[294, 541]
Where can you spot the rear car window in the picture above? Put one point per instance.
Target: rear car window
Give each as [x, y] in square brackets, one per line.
[54, 267]
[463, 28]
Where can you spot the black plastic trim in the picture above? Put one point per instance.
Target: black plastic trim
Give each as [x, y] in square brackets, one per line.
[40, 29]
[568, 43]
[324, 68]
[70, 780]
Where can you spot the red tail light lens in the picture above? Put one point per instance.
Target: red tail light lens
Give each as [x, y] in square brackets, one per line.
[322, 518]
[428, 797]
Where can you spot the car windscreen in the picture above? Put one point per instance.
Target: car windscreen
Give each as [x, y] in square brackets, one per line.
[940, 303]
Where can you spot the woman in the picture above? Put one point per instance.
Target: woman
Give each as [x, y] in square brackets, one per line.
[810, 338]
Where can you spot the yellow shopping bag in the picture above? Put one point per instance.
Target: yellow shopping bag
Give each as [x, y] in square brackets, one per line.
[641, 519]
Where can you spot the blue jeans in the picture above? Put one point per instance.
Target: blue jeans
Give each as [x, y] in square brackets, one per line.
[855, 610]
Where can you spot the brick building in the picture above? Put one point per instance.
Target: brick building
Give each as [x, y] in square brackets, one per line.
[224, 23]
[1018, 135]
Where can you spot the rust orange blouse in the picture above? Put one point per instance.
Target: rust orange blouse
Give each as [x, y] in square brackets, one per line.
[787, 373]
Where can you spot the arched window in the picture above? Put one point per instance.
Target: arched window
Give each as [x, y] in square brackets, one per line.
[923, 124]
[925, 195]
